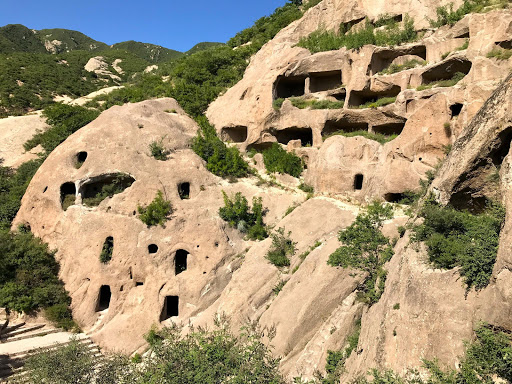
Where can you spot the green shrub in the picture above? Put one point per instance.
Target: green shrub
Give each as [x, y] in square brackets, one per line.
[239, 215]
[13, 184]
[500, 54]
[282, 248]
[391, 34]
[29, 273]
[306, 188]
[455, 238]
[447, 15]
[279, 287]
[380, 102]
[63, 120]
[378, 137]
[60, 316]
[463, 46]
[443, 83]
[395, 68]
[220, 160]
[276, 159]
[278, 103]
[158, 151]
[107, 250]
[365, 248]
[157, 212]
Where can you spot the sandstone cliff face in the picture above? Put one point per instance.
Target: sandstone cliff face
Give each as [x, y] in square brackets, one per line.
[426, 121]
[225, 274]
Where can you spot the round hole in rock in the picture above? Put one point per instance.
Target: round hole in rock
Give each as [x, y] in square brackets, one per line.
[152, 248]
[134, 213]
[421, 158]
[216, 243]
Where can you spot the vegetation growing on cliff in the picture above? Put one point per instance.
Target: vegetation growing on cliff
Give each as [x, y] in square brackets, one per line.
[276, 159]
[282, 248]
[239, 215]
[391, 34]
[157, 212]
[63, 120]
[463, 239]
[221, 160]
[365, 248]
[448, 15]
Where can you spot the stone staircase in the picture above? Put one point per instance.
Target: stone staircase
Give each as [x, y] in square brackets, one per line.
[20, 341]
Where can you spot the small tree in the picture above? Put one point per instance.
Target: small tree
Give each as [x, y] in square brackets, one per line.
[282, 248]
[157, 212]
[366, 248]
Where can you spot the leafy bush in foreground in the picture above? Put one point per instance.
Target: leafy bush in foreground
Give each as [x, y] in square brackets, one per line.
[29, 273]
[157, 212]
[220, 160]
[238, 214]
[462, 239]
[276, 159]
[367, 249]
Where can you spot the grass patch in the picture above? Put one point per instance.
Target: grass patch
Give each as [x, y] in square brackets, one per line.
[157, 212]
[276, 159]
[500, 54]
[410, 64]
[378, 137]
[443, 83]
[279, 287]
[389, 35]
[381, 102]
[282, 248]
[464, 46]
[462, 239]
[306, 253]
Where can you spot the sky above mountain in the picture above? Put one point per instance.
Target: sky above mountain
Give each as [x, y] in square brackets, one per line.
[173, 24]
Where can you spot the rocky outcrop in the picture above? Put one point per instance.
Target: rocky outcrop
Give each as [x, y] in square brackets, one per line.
[14, 132]
[99, 66]
[426, 118]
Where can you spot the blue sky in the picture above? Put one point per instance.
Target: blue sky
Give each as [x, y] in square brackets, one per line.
[173, 24]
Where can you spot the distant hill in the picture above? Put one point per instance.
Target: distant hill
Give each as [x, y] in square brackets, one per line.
[202, 46]
[18, 38]
[64, 40]
[150, 52]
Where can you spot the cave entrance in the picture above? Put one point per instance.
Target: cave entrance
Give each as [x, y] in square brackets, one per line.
[184, 191]
[383, 58]
[234, 134]
[358, 182]
[180, 261]
[101, 187]
[80, 159]
[446, 70]
[364, 99]
[389, 129]
[339, 126]
[305, 135]
[324, 81]
[291, 86]
[456, 109]
[170, 308]
[67, 195]
[104, 298]
[152, 248]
